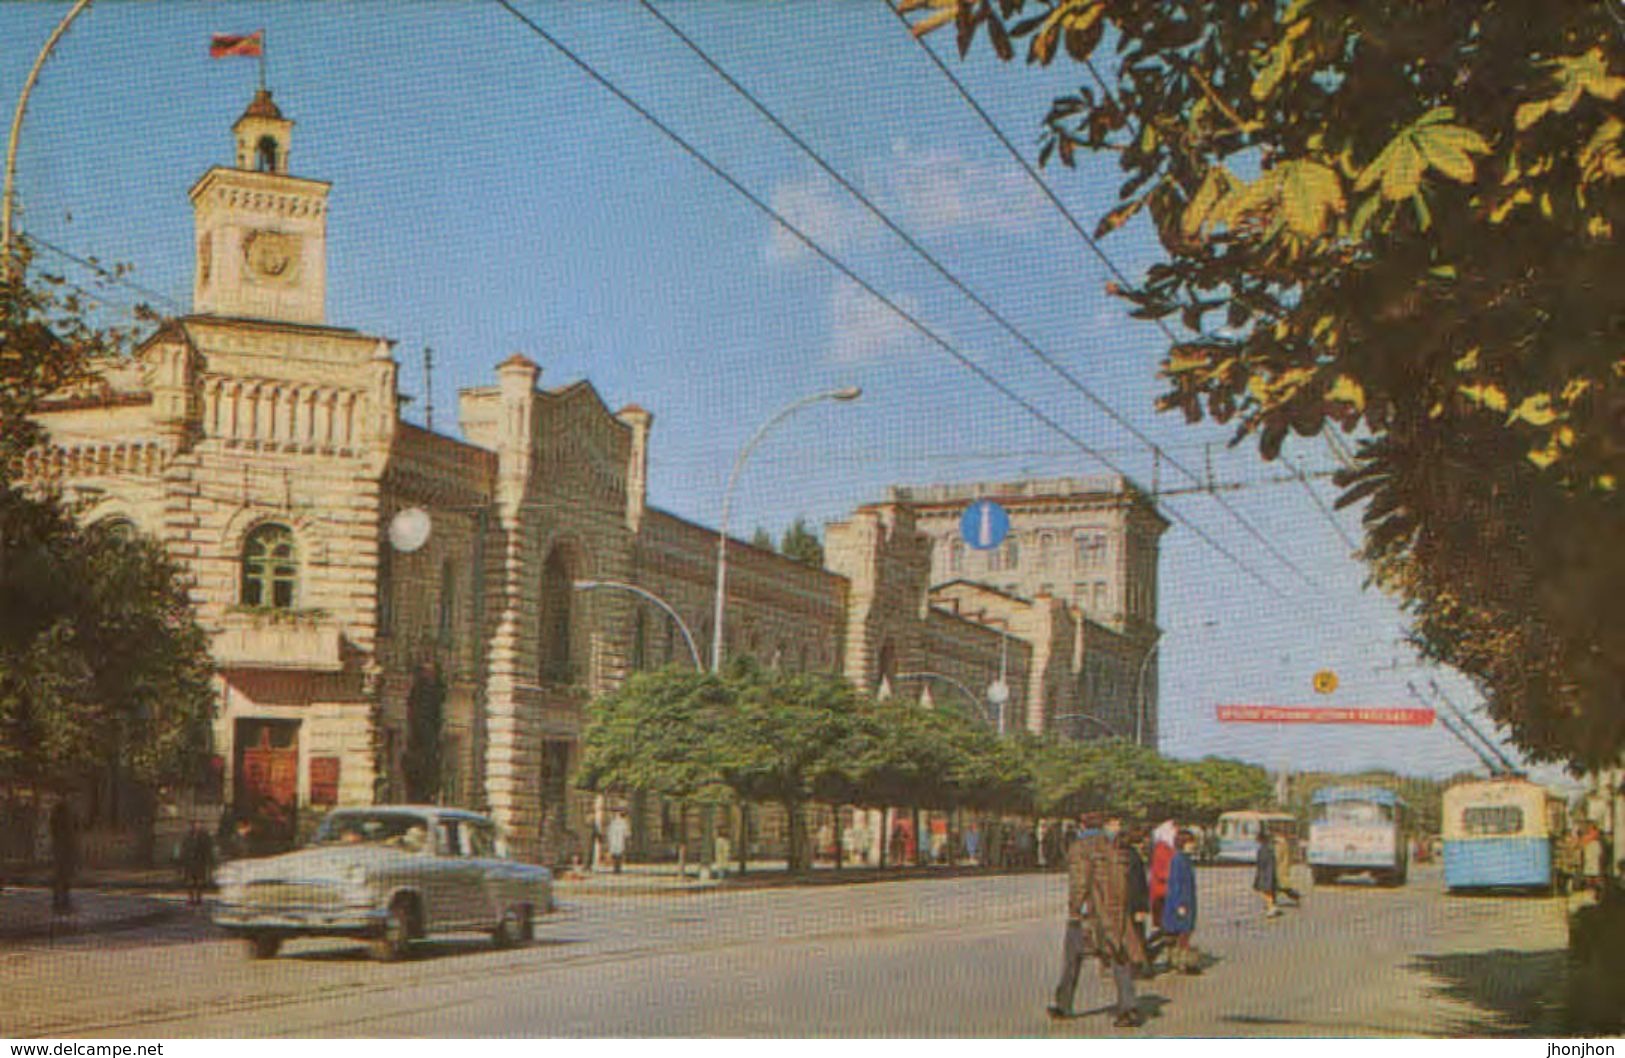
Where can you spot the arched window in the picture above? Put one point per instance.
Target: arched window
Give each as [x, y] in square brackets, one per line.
[270, 568]
[448, 602]
[640, 640]
[555, 626]
[1046, 549]
[118, 527]
[887, 667]
[265, 155]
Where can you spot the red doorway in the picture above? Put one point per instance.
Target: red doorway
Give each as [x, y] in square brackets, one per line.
[266, 787]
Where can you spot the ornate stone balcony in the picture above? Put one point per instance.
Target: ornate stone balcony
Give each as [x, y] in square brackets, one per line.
[279, 639]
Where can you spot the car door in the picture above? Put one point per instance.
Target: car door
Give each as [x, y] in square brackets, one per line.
[458, 898]
[498, 888]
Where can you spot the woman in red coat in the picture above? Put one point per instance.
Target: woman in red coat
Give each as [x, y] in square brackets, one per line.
[1163, 840]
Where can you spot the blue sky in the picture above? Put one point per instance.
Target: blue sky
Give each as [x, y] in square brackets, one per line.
[489, 198]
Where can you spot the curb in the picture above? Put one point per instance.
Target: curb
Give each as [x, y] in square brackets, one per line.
[70, 928]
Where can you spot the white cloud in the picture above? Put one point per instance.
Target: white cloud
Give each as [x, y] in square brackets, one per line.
[864, 331]
[927, 193]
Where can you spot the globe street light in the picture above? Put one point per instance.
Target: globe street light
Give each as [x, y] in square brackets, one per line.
[688, 637]
[846, 393]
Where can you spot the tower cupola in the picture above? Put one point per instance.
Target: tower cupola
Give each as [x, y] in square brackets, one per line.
[261, 232]
[263, 136]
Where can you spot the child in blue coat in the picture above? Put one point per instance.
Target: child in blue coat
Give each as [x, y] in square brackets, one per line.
[1179, 909]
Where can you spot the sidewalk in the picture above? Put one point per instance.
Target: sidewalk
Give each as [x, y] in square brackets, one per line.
[25, 913]
[662, 878]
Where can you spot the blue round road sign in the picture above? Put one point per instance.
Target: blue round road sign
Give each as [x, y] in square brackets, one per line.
[984, 525]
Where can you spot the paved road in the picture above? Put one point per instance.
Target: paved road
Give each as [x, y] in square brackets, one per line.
[967, 956]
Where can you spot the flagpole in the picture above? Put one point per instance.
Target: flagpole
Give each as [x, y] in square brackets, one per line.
[263, 38]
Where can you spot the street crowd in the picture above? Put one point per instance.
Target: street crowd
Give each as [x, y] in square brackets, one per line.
[1128, 913]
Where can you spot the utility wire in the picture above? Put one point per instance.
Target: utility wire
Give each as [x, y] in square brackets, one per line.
[1324, 510]
[1111, 266]
[847, 271]
[110, 276]
[958, 284]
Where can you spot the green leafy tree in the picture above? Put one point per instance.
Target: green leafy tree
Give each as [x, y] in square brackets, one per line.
[800, 542]
[1396, 218]
[1221, 785]
[102, 663]
[761, 538]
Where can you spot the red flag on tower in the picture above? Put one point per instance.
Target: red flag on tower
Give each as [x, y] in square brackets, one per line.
[224, 45]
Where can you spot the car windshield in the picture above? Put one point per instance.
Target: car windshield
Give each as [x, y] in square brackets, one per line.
[394, 829]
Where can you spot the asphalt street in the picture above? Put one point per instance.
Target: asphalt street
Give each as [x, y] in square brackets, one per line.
[971, 956]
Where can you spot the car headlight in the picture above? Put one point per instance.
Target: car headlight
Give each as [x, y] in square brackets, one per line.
[354, 876]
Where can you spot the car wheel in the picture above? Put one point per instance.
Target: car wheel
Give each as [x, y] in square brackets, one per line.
[264, 945]
[395, 942]
[527, 924]
[509, 929]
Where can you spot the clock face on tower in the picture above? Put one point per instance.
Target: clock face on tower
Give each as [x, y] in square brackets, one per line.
[272, 256]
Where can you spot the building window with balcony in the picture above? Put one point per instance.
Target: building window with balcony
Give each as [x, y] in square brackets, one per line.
[270, 568]
[1012, 554]
[1046, 549]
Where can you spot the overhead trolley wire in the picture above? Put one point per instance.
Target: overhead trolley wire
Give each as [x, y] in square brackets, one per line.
[1117, 273]
[845, 270]
[103, 271]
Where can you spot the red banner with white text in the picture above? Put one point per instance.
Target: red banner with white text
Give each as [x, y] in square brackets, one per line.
[1381, 715]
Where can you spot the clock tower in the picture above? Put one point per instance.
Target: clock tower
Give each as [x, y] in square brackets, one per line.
[261, 234]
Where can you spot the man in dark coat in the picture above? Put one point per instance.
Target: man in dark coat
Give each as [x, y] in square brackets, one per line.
[1100, 919]
[64, 856]
[1266, 880]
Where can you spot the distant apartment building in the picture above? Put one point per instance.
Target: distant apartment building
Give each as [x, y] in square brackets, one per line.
[1087, 545]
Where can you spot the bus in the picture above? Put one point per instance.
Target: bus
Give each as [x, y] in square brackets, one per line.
[1358, 830]
[1238, 833]
[1499, 834]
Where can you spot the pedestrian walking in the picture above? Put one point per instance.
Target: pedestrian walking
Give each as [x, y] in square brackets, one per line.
[1163, 839]
[1178, 918]
[64, 856]
[973, 844]
[1265, 880]
[197, 862]
[1591, 859]
[1284, 860]
[1139, 895]
[619, 832]
[1100, 921]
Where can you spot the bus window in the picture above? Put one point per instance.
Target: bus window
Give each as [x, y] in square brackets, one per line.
[1481, 820]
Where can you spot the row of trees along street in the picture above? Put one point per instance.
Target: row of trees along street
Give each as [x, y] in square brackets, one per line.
[795, 739]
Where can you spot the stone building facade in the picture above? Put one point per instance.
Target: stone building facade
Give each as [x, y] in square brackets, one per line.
[399, 615]
[1088, 546]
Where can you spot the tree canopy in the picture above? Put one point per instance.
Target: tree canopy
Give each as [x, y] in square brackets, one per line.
[102, 662]
[1396, 219]
[762, 735]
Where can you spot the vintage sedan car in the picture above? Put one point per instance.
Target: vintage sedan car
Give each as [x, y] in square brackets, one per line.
[389, 875]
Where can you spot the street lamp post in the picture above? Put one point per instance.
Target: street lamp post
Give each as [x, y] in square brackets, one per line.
[1139, 690]
[846, 393]
[682, 626]
[969, 694]
[1110, 730]
[17, 128]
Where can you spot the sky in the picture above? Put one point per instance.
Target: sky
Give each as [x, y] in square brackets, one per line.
[489, 198]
